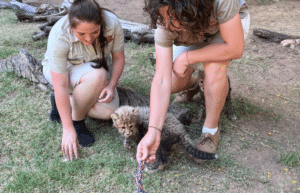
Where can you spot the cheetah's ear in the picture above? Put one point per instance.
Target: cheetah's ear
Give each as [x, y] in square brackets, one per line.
[114, 116]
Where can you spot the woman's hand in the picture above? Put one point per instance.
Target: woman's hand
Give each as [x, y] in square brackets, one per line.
[180, 64]
[107, 95]
[70, 143]
[148, 146]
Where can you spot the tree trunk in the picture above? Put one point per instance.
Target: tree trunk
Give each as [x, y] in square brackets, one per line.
[272, 36]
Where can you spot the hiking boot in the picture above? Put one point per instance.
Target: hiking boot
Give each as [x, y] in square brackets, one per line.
[186, 96]
[208, 143]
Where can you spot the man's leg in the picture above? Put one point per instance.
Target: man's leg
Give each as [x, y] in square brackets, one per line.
[215, 91]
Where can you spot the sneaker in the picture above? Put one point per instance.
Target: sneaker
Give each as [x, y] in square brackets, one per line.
[208, 143]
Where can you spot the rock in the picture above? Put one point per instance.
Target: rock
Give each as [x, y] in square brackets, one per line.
[292, 46]
[287, 42]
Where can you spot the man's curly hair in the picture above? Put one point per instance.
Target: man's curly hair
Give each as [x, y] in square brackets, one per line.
[192, 15]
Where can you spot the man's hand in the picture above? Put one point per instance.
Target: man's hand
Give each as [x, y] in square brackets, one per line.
[148, 146]
[180, 64]
[70, 143]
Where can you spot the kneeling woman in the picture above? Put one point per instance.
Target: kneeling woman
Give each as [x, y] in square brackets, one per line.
[78, 63]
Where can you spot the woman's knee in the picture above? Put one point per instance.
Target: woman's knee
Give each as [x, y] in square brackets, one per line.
[96, 76]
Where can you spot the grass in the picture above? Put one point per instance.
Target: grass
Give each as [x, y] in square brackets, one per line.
[245, 108]
[16, 35]
[139, 73]
[291, 158]
[31, 159]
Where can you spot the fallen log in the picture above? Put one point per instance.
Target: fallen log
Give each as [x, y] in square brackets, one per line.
[36, 32]
[47, 9]
[42, 26]
[21, 14]
[26, 66]
[37, 18]
[272, 36]
[139, 37]
[40, 36]
[41, 17]
[53, 19]
[137, 32]
[24, 7]
[47, 29]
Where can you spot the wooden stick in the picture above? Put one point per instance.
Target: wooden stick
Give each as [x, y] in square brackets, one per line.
[42, 26]
[47, 29]
[53, 19]
[39, 36]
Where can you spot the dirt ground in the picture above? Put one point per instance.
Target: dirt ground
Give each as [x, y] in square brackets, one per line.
[269, 76]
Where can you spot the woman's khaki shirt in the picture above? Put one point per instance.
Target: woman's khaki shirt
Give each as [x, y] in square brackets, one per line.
[65, 49]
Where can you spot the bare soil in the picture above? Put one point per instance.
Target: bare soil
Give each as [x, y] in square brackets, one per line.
[268, 75]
